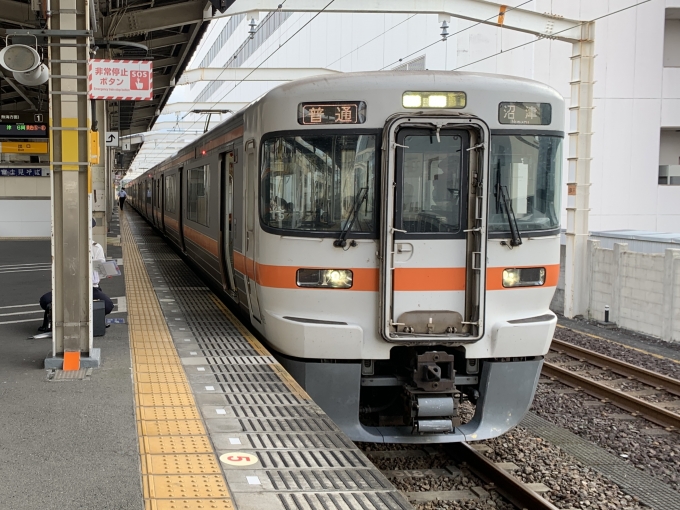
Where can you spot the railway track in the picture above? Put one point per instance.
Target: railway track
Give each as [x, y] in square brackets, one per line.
[513, 490]
[628, 401]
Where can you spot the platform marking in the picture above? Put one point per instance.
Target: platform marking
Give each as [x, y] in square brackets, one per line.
[239, 459]
[179, 465]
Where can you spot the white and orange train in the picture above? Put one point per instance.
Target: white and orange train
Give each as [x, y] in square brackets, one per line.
[392, 236]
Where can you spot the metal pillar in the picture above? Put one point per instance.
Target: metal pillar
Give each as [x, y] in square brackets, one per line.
[578, 179]
[70, 168]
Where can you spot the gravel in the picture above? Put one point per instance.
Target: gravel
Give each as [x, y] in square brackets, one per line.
[655, 363]
[572, 485]
[656, 454]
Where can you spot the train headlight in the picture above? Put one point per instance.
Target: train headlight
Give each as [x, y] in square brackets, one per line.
[325, 278]
[413, 99]
[524, 277]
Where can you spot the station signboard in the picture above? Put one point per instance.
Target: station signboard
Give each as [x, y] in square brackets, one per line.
[20, 130]
[24, 172]
[124, 80]
[23, 147]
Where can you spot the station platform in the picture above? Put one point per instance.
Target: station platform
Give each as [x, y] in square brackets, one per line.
[187, 411]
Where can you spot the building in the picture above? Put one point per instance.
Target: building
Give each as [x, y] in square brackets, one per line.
[635, 171]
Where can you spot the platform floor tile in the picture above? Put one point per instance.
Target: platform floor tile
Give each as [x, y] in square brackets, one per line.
[275, 447]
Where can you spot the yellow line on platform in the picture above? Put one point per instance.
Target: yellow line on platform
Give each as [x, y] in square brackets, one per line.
[180, 469]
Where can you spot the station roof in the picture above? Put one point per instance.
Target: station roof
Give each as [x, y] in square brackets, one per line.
[165, 31]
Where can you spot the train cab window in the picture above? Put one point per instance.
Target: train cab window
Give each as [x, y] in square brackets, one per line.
[197, 196]
[321, 183]
[430, 177]
[527, 170]
[171, 193]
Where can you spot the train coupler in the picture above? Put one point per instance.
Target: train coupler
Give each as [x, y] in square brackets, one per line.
[432, 398]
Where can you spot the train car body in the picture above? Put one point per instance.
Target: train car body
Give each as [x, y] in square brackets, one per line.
[393, 236]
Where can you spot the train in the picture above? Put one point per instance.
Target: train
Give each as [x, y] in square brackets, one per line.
[393, 237]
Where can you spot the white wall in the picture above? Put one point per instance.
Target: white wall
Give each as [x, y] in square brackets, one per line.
[25, 218]
[641, 289]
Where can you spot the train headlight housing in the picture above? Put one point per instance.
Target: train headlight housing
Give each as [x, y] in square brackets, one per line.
[325, 278]
[413, 99]
[524, 277]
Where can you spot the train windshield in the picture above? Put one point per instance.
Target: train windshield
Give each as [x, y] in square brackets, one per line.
[529, 168]
[314, 182]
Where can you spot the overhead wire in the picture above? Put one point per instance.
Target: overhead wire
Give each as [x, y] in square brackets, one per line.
[444, 39]
[551, 35]
[260, 64]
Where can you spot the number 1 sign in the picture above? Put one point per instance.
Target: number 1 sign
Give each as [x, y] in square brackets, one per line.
[127, 80]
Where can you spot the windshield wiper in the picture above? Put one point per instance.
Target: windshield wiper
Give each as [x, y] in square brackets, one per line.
[502, 192]
[341, 241]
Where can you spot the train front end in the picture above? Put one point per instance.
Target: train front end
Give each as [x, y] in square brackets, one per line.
[420, 233]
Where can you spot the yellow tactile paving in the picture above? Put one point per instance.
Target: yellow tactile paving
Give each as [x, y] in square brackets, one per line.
[171, 428]
[180, 470]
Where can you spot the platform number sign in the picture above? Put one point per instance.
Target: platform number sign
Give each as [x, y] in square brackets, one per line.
[239, 459]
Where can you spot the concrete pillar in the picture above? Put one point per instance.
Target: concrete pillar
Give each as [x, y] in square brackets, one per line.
[617, 283]
[593, 246]
[70, 166]
[100, 182]
[578, 177]
[670, 269]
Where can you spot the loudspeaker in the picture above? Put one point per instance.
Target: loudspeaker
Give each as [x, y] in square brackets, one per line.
[37, 76]
[19, 58]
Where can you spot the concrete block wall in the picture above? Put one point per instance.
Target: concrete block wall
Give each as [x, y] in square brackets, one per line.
[642, 290]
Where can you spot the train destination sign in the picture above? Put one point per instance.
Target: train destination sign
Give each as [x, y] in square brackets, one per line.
[332, 112]
[536, 114]
[20, 130]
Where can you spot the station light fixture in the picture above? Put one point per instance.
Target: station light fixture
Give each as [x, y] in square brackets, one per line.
[25, 64]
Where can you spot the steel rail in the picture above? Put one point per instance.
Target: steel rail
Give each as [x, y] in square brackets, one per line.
[617, 366]
[652, 412]
[508, 486]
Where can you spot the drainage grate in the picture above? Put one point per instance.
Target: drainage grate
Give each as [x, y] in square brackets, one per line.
[275, 441]
[324, 480]
[69, 375]
[283, 425]
[353, 500]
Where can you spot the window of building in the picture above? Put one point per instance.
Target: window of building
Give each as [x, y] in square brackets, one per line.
[671, 39]
[669, 157]
[197, 195]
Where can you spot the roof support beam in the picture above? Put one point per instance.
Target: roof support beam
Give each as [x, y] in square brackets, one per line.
[188, 107]
[250, 74]
[159, 18]
[541, 25]
[165, 62]
[19, 90]
[164, 42]
[16, 13]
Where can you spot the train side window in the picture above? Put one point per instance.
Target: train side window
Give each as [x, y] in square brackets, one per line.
[197, 196]
[171, 193]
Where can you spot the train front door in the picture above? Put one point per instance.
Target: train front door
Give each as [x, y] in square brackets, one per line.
[431, 257]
